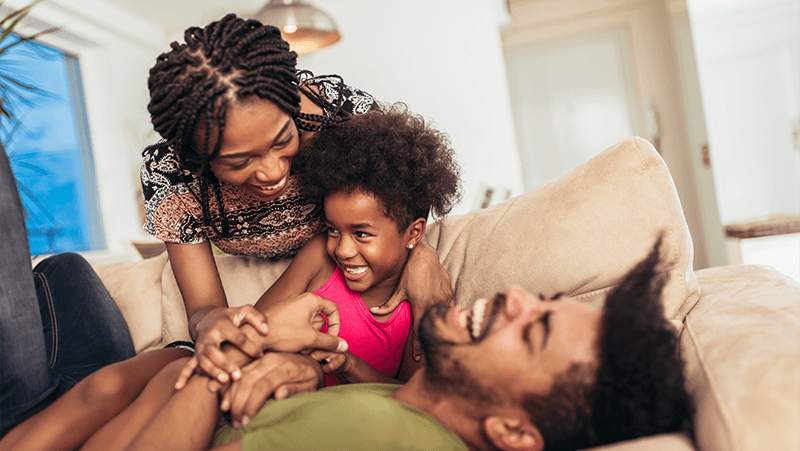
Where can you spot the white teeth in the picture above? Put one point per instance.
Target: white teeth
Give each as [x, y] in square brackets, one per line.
[355, 271]
[478, 311]
[463, 317]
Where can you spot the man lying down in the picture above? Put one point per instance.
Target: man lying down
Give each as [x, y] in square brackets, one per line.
[516, 372]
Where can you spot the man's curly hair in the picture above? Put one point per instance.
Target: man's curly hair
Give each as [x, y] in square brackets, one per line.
[636, 389]
[390, 153]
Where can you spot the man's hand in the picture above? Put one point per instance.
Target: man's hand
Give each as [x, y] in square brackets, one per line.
[424, 282]
[223, 325]
[275, 374]
[294, 325]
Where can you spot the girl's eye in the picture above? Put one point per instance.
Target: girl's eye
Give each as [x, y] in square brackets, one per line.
[332, 231]
[362, 234]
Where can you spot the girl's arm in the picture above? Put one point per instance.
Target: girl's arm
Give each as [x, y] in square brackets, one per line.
[309, 269]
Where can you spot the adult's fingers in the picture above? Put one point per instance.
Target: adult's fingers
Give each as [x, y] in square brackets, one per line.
[254, 317]
[215, 364]
[331, 311]
[186, 373]
[388, 307]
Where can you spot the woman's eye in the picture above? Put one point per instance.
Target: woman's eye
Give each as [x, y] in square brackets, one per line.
[284, 142]
[240, 165]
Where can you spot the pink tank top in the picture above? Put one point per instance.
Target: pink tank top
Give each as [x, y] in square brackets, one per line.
[379, 343]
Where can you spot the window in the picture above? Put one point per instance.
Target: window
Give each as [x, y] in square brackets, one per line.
[50, 151]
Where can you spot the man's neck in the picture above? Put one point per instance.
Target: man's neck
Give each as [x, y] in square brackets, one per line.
[453, 412]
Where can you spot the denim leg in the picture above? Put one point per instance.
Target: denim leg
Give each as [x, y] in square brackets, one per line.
[26, 383]
[83, 328]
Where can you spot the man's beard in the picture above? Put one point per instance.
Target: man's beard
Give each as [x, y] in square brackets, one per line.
[445, 374]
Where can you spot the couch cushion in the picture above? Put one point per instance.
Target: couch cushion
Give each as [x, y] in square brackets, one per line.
[136, 288]
[741, 343]
[578, 234]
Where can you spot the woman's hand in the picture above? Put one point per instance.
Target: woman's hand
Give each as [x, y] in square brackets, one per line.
[222, 325]
[274, 374]
[424, 282]
[294, 325]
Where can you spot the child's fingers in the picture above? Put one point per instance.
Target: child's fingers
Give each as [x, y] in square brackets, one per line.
[320, 356]
[334, 364]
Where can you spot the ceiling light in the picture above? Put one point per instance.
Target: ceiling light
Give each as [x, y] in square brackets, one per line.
[304, 26]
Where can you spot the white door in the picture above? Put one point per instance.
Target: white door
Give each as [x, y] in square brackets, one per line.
[748, 62]
[564, 113]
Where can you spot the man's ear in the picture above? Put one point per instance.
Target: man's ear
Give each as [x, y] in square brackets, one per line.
[513, 433]
[416, 230]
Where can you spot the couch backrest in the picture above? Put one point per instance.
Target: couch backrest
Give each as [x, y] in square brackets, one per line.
[578, 234]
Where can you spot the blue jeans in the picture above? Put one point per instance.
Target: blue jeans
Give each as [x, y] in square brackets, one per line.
[58, 323]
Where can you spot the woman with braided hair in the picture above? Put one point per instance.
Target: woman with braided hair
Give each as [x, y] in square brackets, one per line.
[233, 111]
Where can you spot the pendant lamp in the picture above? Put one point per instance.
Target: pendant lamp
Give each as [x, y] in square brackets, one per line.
[304, 26]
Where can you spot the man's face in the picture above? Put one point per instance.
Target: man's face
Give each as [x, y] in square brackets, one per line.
[517, 346]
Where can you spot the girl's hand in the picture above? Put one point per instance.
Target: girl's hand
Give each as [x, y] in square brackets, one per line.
[424, 282]
[275, 374]
[222, 325]
[333, 362]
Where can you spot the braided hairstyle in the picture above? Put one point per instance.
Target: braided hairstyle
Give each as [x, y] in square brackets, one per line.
[226, 61]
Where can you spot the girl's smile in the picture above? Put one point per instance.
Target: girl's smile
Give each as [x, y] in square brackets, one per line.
[366, 244]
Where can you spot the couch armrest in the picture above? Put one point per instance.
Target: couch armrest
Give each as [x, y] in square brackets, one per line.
[741, 343]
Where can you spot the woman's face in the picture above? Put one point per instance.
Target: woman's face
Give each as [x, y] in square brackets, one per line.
[259, 143]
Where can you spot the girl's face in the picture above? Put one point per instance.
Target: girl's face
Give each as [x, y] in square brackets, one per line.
[259, 143]
[366, 244]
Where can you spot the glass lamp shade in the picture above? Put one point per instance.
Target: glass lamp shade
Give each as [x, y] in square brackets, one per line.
[302, 25]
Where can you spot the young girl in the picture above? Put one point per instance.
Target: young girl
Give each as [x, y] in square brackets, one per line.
[230, 107]
[379, 175]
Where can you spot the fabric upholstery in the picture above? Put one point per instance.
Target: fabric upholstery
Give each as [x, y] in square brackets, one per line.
[578, 234]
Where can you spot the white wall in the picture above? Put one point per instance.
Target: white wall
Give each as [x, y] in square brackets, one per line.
[115, 55]
[444, 59]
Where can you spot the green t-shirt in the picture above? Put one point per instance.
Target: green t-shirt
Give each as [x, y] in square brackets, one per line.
[345, 417]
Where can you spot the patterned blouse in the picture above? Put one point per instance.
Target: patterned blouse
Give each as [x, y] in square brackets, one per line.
[263, 229]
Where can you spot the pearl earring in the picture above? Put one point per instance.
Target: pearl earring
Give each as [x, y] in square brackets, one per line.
[411, 246]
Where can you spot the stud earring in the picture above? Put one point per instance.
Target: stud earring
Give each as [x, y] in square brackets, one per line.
[411, 246]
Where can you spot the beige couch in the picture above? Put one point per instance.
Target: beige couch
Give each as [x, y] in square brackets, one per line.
[578, 234]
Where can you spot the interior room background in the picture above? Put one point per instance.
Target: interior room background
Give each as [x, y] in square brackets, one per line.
[526, 89]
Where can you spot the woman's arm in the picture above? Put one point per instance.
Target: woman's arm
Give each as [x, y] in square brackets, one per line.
[211, 322]
[217, 326]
